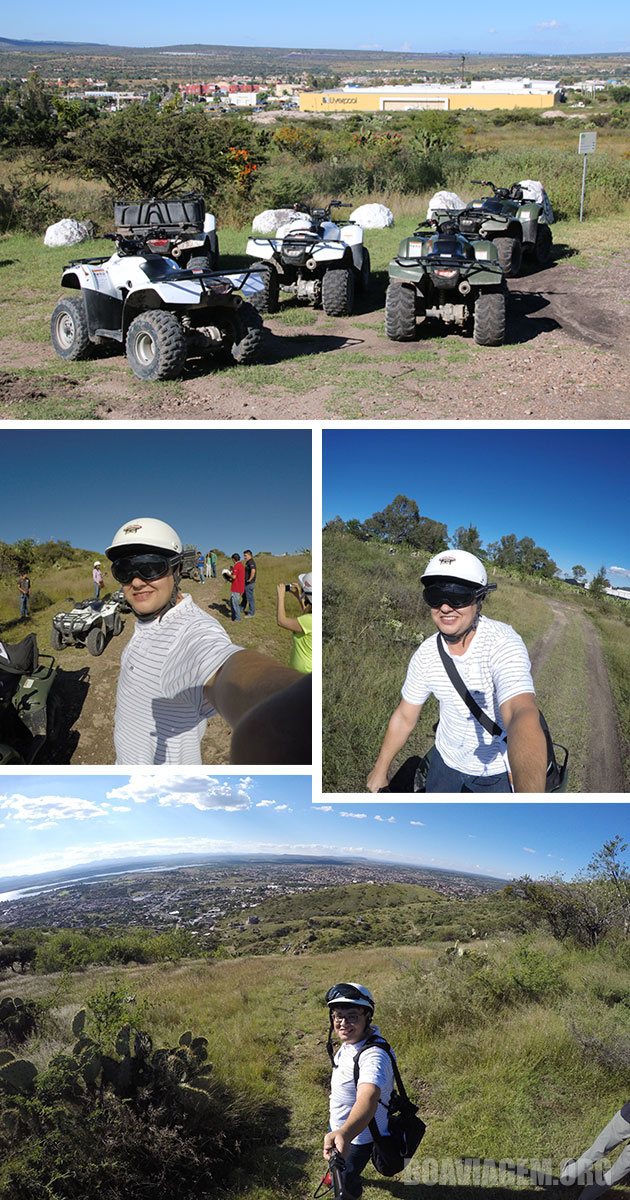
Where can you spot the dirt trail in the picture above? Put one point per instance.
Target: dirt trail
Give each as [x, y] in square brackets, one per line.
[87, 687]
[604, 771]
[567, 356]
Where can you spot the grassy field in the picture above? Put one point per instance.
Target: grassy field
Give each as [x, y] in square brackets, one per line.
[62, 587]
[378, 629]
[492, 1045]
[374, 377]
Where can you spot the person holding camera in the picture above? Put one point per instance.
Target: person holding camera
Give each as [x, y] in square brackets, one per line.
[302, 626]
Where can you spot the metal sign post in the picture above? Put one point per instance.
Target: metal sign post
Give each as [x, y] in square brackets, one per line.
[587, 144]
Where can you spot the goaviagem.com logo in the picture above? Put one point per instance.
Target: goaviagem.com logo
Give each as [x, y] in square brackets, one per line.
[489, 1172]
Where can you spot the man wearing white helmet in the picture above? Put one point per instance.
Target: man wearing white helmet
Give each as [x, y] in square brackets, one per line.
[492, 661]
[302, 626]
[180, 667]
[97, 578]
[353, 1106]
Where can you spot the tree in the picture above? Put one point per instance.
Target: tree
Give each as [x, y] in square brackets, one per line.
[467, 538]
[398, 522]
[607, 866]
[599, 583]
[578, 572]
[142, 151]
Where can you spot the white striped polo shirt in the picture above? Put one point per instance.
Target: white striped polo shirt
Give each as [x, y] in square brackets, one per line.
[161, 713]
[495, 668]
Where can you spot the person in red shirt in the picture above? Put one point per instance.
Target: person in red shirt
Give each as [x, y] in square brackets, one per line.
[237, 587]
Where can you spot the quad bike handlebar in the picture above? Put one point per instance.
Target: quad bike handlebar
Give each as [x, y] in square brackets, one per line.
[514, 192]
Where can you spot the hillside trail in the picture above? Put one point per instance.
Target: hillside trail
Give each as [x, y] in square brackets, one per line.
[604, 764]
[87, 686]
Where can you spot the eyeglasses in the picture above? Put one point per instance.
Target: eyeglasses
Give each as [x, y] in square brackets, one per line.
[143, 566]
[455, 595]
[351, 1017]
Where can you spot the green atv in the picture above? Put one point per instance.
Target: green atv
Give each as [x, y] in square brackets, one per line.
[517, 226]
[29, 707]
[440, 275]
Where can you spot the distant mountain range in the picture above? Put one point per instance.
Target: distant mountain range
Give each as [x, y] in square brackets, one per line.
[87, 871]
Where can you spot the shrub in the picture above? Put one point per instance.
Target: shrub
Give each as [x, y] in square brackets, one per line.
[28, 205]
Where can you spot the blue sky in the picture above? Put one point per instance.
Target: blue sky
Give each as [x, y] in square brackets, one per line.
[562, 487]
[559, 27]
[52, 822]
[235, 489]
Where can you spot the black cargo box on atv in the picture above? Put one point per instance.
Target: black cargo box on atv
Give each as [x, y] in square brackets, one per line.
[171, 216]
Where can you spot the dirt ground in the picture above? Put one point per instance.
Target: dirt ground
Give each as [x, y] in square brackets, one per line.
[87, 687]
[604, 760]
[567, 356]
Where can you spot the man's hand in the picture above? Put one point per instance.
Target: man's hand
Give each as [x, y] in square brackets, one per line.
[336, 1140]
[268, 707]
[401, 724]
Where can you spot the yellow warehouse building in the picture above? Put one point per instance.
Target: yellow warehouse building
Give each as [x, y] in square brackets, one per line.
[481, 94]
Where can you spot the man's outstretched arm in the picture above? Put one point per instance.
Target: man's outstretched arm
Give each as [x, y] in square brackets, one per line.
[268, 707]
[527, 747]
[401, 724]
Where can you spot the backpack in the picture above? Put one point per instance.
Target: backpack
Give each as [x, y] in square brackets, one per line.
[405, 1130]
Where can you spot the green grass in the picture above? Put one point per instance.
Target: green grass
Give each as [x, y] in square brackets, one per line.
[64, 586]
[374, 619]
[501, 1079]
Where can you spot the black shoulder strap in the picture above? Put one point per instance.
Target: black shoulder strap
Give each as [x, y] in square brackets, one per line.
[459, 685]
[380, 1044]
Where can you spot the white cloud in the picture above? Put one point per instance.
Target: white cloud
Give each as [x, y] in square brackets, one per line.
[120, 808]
[175, 790]
[386, 820]
[282, 808]
[417, 823]
[354, 816]
[528, 850]
[620, 570]
[323, 807]
[265, 804]
[552, 24]
[49, 809]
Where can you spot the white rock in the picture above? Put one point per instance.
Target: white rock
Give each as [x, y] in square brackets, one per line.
[373, 216]
[534, 190]
[269, 220]
[66, 233]
[448, 201]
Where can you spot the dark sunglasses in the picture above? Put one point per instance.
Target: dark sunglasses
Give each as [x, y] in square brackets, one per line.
[143, 566]
[344, 992]
[454, 595]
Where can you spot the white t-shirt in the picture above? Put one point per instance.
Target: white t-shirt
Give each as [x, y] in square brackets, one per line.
[495, 667]
[374, 1067]
[161, 713]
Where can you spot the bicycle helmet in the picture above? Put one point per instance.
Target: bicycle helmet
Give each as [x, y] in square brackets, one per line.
[459, 568]
[350, 995]
[306, 584]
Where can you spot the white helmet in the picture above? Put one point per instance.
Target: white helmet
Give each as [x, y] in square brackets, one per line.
[350, 993]
[306, 583]
[147, 532]
[97, 563]
[458, 565]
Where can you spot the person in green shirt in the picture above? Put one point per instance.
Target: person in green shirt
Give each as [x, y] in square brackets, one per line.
[302, 626]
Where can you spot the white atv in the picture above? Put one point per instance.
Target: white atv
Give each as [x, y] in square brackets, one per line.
[315, 258]
[179, 227]
[87, 624]
[160, 313]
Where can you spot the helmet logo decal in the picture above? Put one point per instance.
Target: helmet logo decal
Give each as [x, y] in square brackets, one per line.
[132, 528]
[447, 558]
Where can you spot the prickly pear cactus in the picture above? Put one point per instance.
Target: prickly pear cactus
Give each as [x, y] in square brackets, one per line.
[17, 1020]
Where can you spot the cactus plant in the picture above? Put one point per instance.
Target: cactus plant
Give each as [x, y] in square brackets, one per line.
[17, 1019]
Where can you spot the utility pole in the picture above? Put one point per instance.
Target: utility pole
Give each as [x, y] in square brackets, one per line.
[463, 70]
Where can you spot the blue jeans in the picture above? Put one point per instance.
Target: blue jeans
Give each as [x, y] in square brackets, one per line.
[213, 568]
[97, 589]
[356, 1159]
[23, 606]
[442, 778]
[235, 604]
[249, 604]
